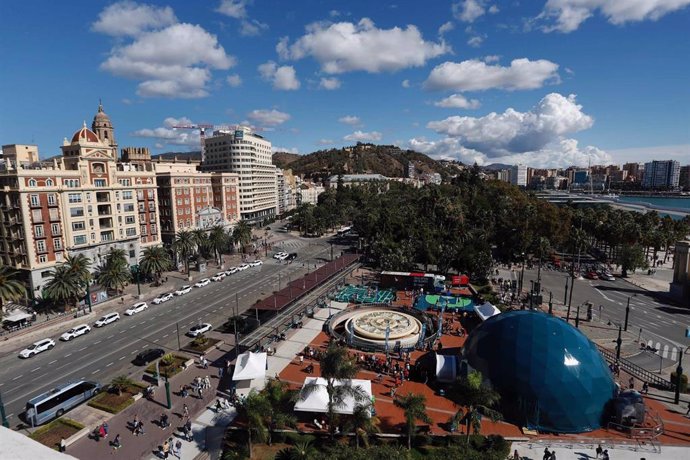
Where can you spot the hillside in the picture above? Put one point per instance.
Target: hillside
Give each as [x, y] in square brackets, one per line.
[387, 160]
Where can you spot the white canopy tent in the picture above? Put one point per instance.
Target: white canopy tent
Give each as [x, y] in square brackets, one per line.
[16, 317]
[446, 368]
[486, 311]
[250, 366]
[317, 401]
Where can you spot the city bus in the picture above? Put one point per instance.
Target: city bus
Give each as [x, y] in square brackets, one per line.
[430, 282]
[59, 400]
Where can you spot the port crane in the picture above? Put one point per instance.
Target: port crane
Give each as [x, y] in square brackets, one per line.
[202, 127]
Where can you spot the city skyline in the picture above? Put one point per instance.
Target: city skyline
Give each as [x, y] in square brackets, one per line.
[549, 84]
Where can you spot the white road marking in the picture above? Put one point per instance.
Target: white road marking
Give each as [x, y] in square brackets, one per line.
[17, 377]
[132, 327]
[122, 332]
[52, 362]
[111, 336]
[82, 349]
[109, 364]
[121, 358]
[68, 355]
[96, 343]
[134, 352]
[166, 335]
[95, 372]
[155, 341]
[35, 369]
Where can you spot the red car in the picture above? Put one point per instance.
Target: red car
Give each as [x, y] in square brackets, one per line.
[591, 276]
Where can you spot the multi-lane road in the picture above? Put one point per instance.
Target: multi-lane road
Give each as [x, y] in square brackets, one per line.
[651, 319]
[108, 351]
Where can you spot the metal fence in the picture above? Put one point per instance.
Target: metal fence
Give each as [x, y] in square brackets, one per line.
[637, 371]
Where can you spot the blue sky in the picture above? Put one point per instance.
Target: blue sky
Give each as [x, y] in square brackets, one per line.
[544, 82]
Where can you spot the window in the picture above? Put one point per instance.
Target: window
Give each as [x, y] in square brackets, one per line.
[150, 194]
[129, 220]
[99, 182]
[140, 194]
[42, 259]
[54, 214]
[74, 197]
[80, 239]
[143, 230]
[128, 207]
[38, 231]
[49, 183]
[142, 208]
[51, 200]
[36, 215]
[125, 182]
[152, 206]
[57, 244]
[78, 226]
[35, 201]
[76, 212]
[55, 229]
[72, 183]
[127, 195]
[154, 230]
[131, 231]
[32, 183]
[41, 246]
[47, 274]
[132, 253]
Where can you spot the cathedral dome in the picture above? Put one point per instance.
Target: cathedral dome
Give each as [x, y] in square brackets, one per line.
[84, 135]
[101, 115]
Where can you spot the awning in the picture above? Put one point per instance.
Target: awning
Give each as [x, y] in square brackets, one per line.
[446, 368]
[250, 366]
[16, 317]
[317, 401]
[486, 311]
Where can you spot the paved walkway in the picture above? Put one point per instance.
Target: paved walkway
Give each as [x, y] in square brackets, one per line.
[584, 451]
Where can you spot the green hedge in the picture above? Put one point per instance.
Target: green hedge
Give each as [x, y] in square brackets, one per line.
[111, 409]
[62, 421]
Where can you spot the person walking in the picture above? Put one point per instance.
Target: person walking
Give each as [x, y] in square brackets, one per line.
[185, 411]
[516, 456]
[63, 445]
[177, 449]
[220, 373]
[116, 442]
[166, 449]
[599, 451]
[105, 429]
[553, 455]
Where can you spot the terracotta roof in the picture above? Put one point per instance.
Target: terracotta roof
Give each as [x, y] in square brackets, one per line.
[85, 135]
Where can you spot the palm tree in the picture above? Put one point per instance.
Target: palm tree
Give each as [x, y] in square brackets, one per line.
[154, 261]
[121, 383]
[184, 246]
[254, 409]
[479, 400]
[302, 450]
[64, 286]
[415, 409]
[280, 400]
[201, 240]
[10, 287]
[242, 234]
[363, 423]
[338, 369]
[115, 274]
[217, 241]
[80, 266]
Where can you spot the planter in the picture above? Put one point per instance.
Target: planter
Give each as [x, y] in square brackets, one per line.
[205, 348]
[77, 436]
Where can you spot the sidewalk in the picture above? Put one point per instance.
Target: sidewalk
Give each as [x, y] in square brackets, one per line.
[581, 451]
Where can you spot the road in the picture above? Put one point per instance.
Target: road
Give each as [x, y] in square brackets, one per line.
[661, 324]
[108, 351]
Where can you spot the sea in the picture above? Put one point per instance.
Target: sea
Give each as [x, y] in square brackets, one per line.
[660, 203]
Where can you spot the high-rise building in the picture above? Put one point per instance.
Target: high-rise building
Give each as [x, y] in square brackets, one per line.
[518, 175]
[633, 170]
[248, 155]
[195, 200]
[661, 174]
[684, 177]
[83, 202]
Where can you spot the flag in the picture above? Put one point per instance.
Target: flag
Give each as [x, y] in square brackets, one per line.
[388, 333]
[422, 336]
[351, 338]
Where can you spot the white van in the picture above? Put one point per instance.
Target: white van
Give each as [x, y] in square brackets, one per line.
[107, 319]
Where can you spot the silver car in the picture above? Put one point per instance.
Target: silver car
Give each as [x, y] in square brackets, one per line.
[75, 332]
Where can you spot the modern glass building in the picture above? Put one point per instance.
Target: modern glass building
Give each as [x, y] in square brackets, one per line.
[551, 377]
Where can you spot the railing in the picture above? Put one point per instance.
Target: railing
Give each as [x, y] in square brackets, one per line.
[637, 371]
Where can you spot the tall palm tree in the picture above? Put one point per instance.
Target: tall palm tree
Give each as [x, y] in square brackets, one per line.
[154, 261]
[64, 286]
[338, 369]
[80, 266]
[280, 400]
[115, 274]
[201, 240]
[414, 407]
[217, 241]
[10, 287]
[253, 409]
[363, 423]
[242, 234]
[184, 246]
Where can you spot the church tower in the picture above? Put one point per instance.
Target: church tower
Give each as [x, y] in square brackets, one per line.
[103, 128]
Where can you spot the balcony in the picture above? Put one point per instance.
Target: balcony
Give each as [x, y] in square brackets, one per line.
[107, 236]
[104, 210]
[102, 197]
[105, 223]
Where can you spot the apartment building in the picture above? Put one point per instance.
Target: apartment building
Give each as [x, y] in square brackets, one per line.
[82, 202]
[661, 174]
[191, 199]
[248, 155]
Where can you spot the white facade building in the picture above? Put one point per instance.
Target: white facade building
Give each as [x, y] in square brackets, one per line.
[518, 175]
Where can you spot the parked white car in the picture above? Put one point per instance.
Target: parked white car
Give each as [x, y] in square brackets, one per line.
[218, 276]
[255, 263]
[75, 332]
[242, 267]
[107, 319]
[184, 290]
[231, 271]
[136, 308]
[202, 282]
[163, 298]
[199, 329]
[36, 348]
[280, 255]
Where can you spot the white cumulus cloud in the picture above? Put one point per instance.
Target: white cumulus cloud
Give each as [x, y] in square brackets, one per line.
[469, 10]
[166, 135]
[559, 154]
[446, 149]
[267, 117]
[329, 83]
[174, 61]
[513, 132]
[476, 41]
[234, 80]
[476, 75]
[351, 120]
[283, 77]
[346, 47]
[275, 149]
[457, 101]
[233, 8]
[360, 136]
[567, 15]
[405, 83]
[446, 27]
[130, 19]
[252, 28]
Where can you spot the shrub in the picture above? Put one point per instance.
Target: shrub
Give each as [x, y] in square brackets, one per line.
[168, 359]
[683, 381]
[199, 341]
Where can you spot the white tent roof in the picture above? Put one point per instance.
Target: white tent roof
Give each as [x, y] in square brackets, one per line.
[250, 366]
[486, 311]
[317, 401]
[446, 368]
[16, 316]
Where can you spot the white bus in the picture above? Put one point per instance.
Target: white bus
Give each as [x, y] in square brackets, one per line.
[59, 400]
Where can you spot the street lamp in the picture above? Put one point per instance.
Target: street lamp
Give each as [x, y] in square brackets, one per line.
[679, 374]
[136, 273]
[619, 341]
[522, 274]
[627, 312]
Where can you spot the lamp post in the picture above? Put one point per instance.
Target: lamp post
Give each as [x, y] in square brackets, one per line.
[565, 297]
[88, 296]
[522, 275]
[619, 342]
[136, 272]
[577, 318]
[5, 421]
[627, 313]
[167, 390]
[679, 374]
[550, 303]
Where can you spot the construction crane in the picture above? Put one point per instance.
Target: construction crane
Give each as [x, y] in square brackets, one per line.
[202, 133]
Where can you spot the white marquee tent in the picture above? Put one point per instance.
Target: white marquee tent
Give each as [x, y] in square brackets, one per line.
[446, 368]
[250, 366]
[486, 311]
[317, 401]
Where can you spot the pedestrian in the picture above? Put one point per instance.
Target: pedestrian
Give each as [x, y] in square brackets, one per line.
[177, 449]
[516, 456]
[547, 454]
[631, 382]
[599, 451]
[645, 388]
[220, 373]
[166, 449]
[105, 429]
[116, 442]
[63, 445]
[301, 360]
[553, 455]
[605, 455]
[185, 411]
